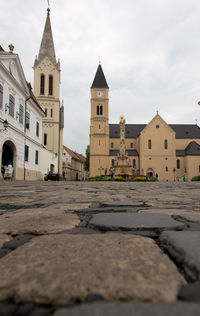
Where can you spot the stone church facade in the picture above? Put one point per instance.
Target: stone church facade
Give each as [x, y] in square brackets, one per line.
[47, 91]
[170, 150]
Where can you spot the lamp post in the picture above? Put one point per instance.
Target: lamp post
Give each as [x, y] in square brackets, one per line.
[5, 126]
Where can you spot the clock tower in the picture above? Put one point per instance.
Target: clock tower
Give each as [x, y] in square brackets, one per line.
[99, 125]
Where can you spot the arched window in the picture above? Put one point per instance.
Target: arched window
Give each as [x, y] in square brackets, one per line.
[45, 139]
[178, 163]
[97, 109]
[101, 110]
[50, 85]
[166, 144]
[51, 112]
[1, 96]
[45, 111]
[42, 83]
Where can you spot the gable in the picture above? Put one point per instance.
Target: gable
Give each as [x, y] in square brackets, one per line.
[12, 65]
[157, 126]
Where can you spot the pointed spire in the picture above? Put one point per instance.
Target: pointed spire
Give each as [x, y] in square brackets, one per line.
[47, 44]
[99, 79]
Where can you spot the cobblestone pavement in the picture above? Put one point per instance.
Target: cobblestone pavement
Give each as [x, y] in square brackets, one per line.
[99, 248]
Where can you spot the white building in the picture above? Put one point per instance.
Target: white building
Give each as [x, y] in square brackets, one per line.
[21, 143]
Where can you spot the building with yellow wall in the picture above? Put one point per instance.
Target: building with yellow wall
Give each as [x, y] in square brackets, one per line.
[47, 91]
[170, 150]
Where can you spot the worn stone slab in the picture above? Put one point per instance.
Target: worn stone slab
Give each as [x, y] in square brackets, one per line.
[131, 309]
[108, 209]
[192, 217]
[131, 221]
[190, 292]
[37, 221]
[67, 268]
[184, 247]
[121, 204]
[3, 239]
[169, 211]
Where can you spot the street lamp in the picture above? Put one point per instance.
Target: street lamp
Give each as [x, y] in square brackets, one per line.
[5, 125]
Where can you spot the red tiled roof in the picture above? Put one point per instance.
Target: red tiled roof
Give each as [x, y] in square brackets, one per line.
[74, 154]
[33, 97]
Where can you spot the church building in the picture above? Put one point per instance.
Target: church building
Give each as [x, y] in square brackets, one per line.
[47, 91]
[170, 150]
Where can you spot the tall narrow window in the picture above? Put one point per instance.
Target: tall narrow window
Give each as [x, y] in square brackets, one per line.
[149, 144]
[45, 139]
[51, 112]
[42, 83]
[36, 157]
[1, 96]
[166, 144]
[166, 169]
[27, 122]
[113, 162]
[37, 129]
[131, 145]
[45, 111]
[101, 110]
[26, 152]
[111, 145]
[97, 109]
[134, 163]
[21, 114]
[50, 85]
[178, 163]
[11, 105]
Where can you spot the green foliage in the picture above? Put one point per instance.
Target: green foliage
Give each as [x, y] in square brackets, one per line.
[87, 160]
[100, 178]
[152, 179]
[197, 178]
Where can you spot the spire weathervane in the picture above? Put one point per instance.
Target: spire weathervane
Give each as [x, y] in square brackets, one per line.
[48, 9]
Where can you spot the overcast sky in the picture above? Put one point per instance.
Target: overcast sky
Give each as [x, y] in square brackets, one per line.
[150, 53]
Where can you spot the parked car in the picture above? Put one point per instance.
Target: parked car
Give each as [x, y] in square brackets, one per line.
[51, 176]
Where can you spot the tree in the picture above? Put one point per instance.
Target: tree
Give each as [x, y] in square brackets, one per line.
[87, 160]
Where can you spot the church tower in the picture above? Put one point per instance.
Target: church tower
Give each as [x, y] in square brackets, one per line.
[47, 91]
[99, 125]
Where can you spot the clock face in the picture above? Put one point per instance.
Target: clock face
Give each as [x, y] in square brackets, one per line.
[99, 94]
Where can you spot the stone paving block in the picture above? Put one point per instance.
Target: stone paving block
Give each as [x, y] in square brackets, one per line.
[3, 239]
[190, 292]
[131, 221]
[192, 217]
[131, 309]
[121, 204]
[184, 247]
[168, 211]
[68, 268]
[37, 221]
